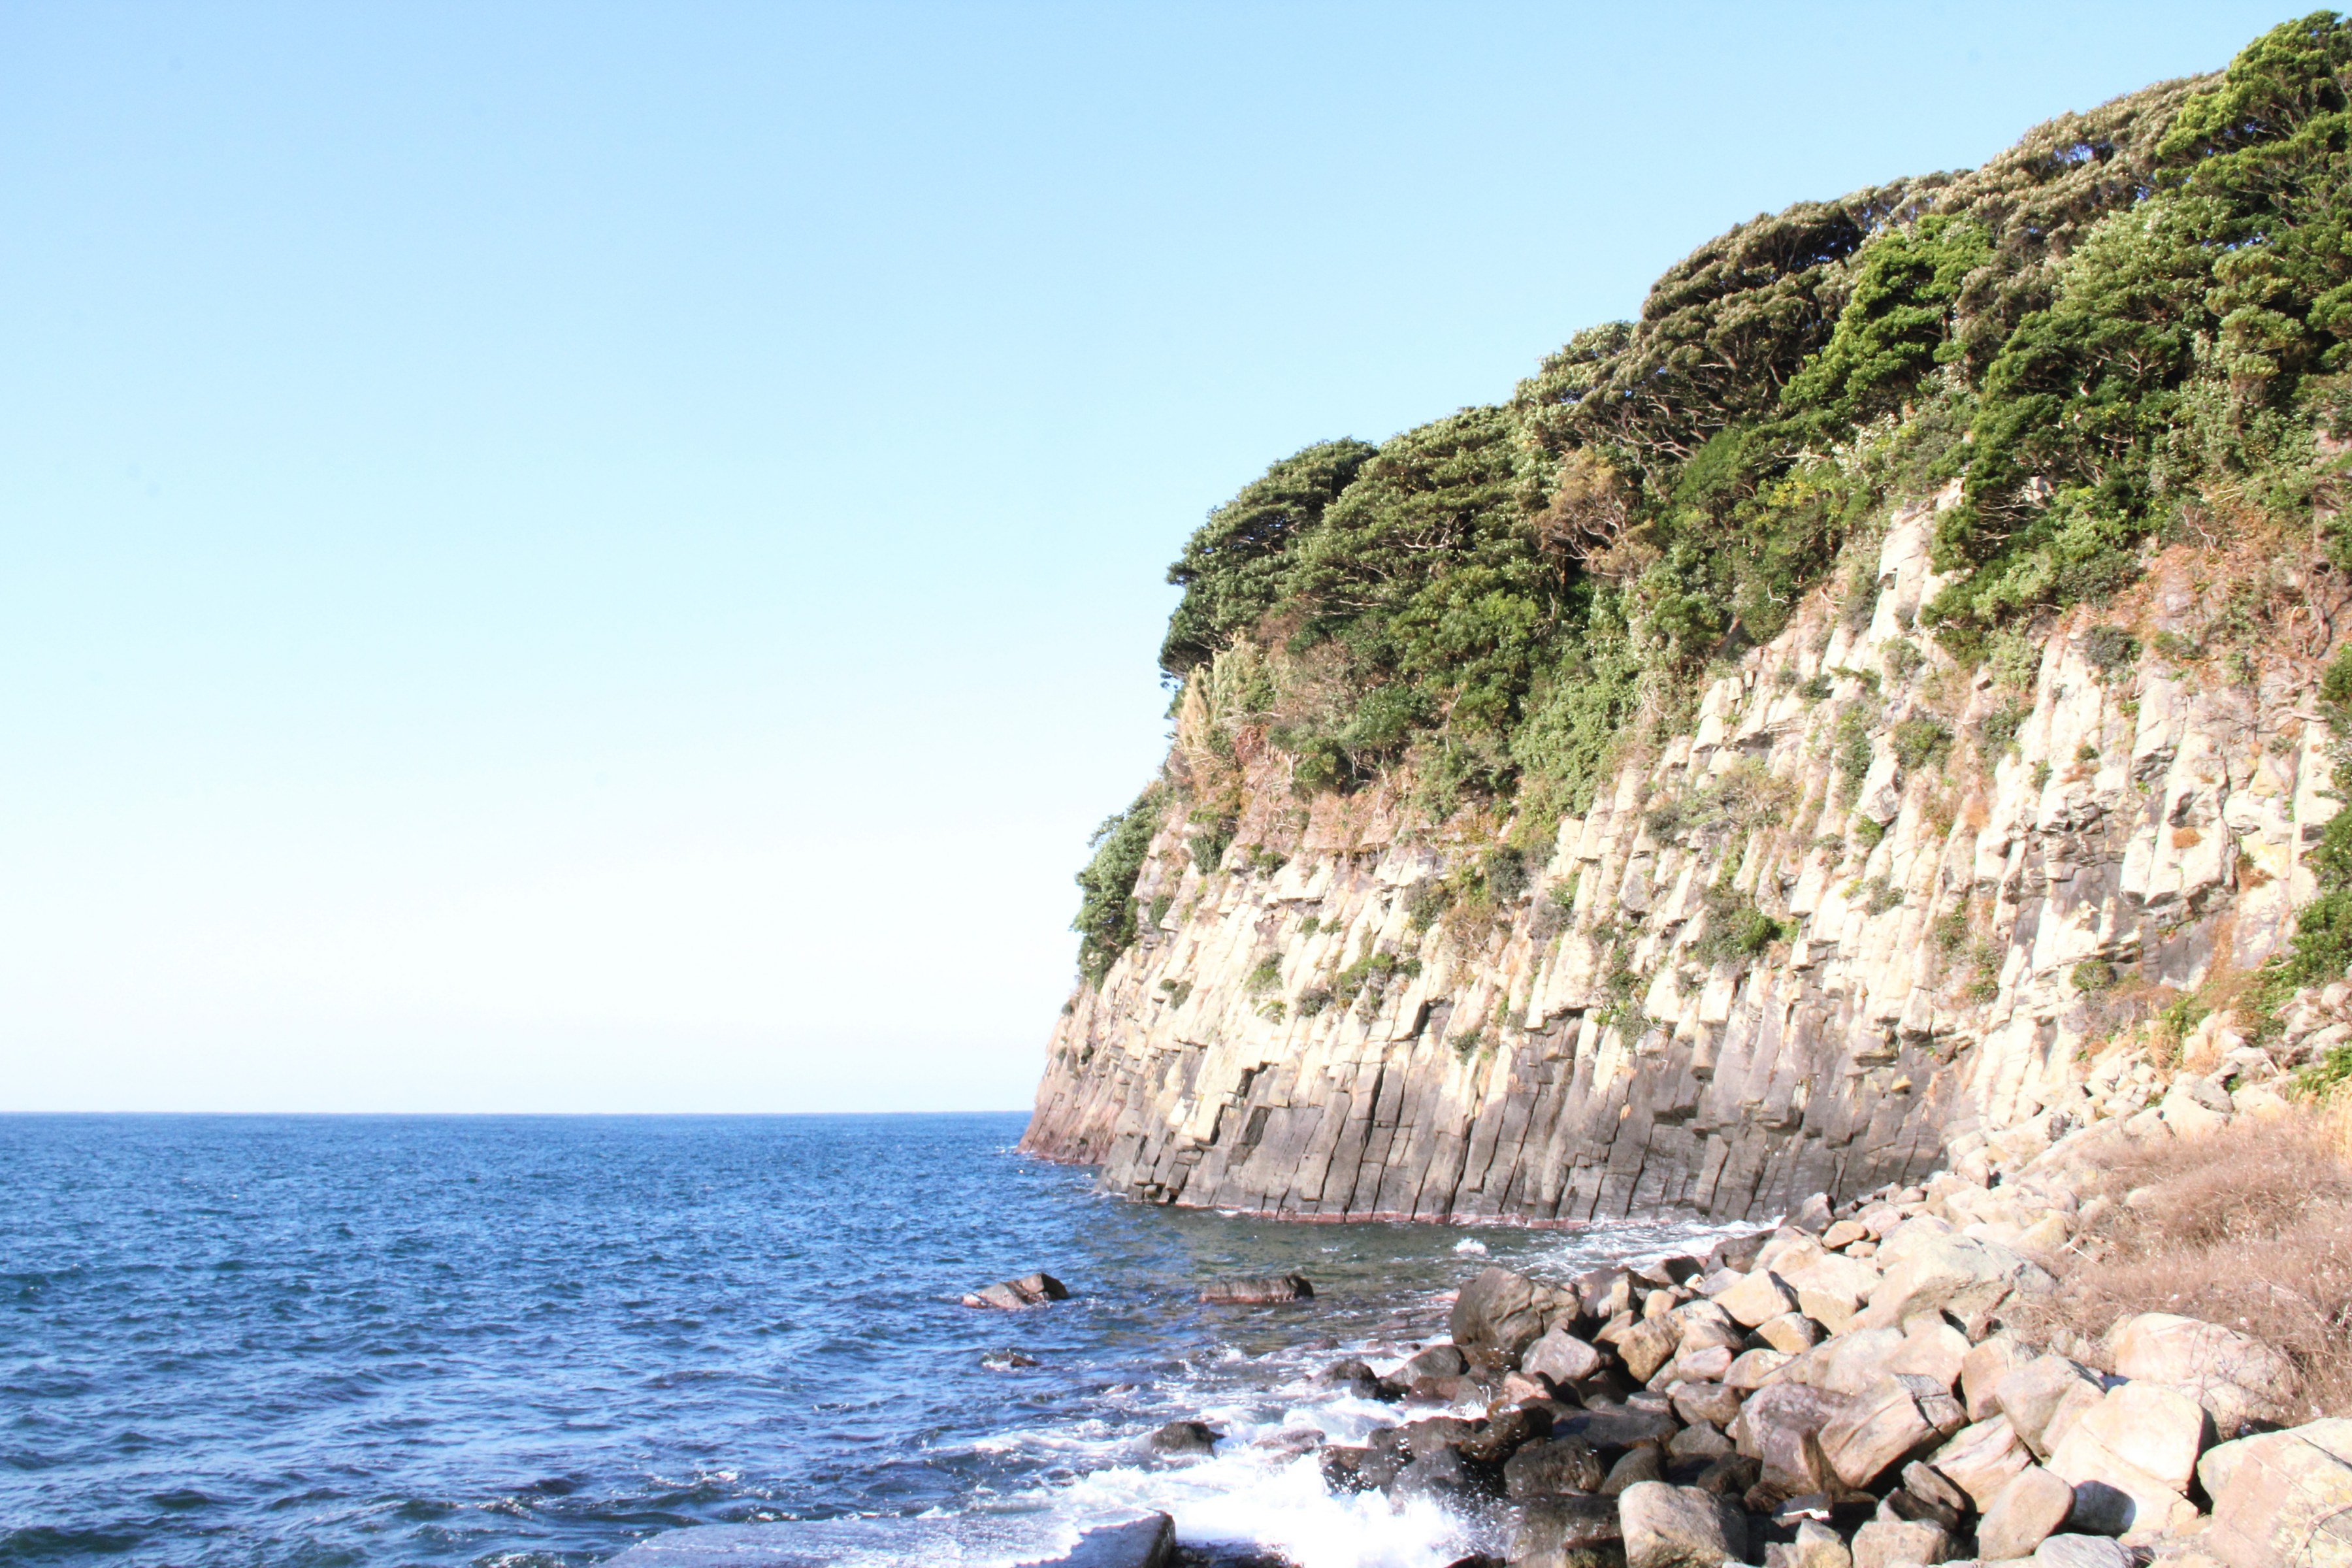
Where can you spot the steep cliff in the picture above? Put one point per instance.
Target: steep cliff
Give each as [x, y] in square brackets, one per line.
[1958, 919]
[1784, 743]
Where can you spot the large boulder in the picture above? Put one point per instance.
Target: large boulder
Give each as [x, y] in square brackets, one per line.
[1779, 1426]
[1846, 1364]
[1757, 1299]
[1982, 1368]
[2140, 1443]
[1679, 1527]
[1878, 1427]
[1957, 1274]
[1649, 1345]
[1931, 1347]
[1009, 1295]
[1437, 1361]
[2043, 1397]
[2283, 1500]
[1980, 1459]
[2237, 1378]
[1562, 1357]
[2024, 1513]
[1185, 1437]
[1504, 1313]
[1553, 1466]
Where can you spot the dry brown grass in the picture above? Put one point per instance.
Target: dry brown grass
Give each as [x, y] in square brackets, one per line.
[2250, 1227]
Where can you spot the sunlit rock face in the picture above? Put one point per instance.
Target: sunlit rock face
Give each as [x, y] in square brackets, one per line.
[1867, 912]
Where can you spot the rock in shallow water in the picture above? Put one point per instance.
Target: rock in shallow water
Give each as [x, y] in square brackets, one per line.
[1264, 1292]
[1185, 1437]
[1029, 1290]
[1114, 1539]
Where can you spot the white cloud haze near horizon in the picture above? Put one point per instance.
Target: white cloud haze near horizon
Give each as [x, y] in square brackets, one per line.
[609, 558]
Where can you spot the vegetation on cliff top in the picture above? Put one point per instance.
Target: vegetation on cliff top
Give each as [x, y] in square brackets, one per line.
[2136, 323]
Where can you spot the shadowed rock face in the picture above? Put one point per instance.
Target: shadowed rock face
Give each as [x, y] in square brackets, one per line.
[1574, 1060]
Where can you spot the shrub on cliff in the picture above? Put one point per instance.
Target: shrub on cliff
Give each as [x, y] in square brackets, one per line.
[2134, 324]
[1105, 919]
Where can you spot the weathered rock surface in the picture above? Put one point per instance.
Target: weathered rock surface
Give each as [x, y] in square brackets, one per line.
[1885, 1544]
[2285, 1498]
[2081, 1552]
[1679, 1527]
[2140, 1442]
[2234, 1376]
[2025, 1512]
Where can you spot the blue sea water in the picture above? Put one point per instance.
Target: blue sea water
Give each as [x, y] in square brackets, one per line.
[320, 1340]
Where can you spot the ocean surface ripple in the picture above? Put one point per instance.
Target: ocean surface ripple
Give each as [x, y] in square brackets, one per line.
[518, 1341]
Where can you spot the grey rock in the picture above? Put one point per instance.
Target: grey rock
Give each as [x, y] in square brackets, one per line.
[1564, 1532]
[1698, 1441]
[1185, 1437]
[1504, 1312]
[1707, 1402]
[1646, 1463]
[1550, 1467]
[1615, 1425]
[1258, 1292]
[1124, 1539]
[1437, 1361]
[1560, 1356]
[1029, 1290]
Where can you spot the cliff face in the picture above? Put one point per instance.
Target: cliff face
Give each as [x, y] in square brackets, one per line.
[1867, 911]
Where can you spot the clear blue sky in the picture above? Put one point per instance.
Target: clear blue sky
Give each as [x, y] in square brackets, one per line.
[598, 557]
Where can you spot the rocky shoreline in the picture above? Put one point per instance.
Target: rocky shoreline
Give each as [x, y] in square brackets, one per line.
[1880, 1381]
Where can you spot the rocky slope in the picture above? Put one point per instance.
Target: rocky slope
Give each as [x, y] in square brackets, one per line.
[1866, 916]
